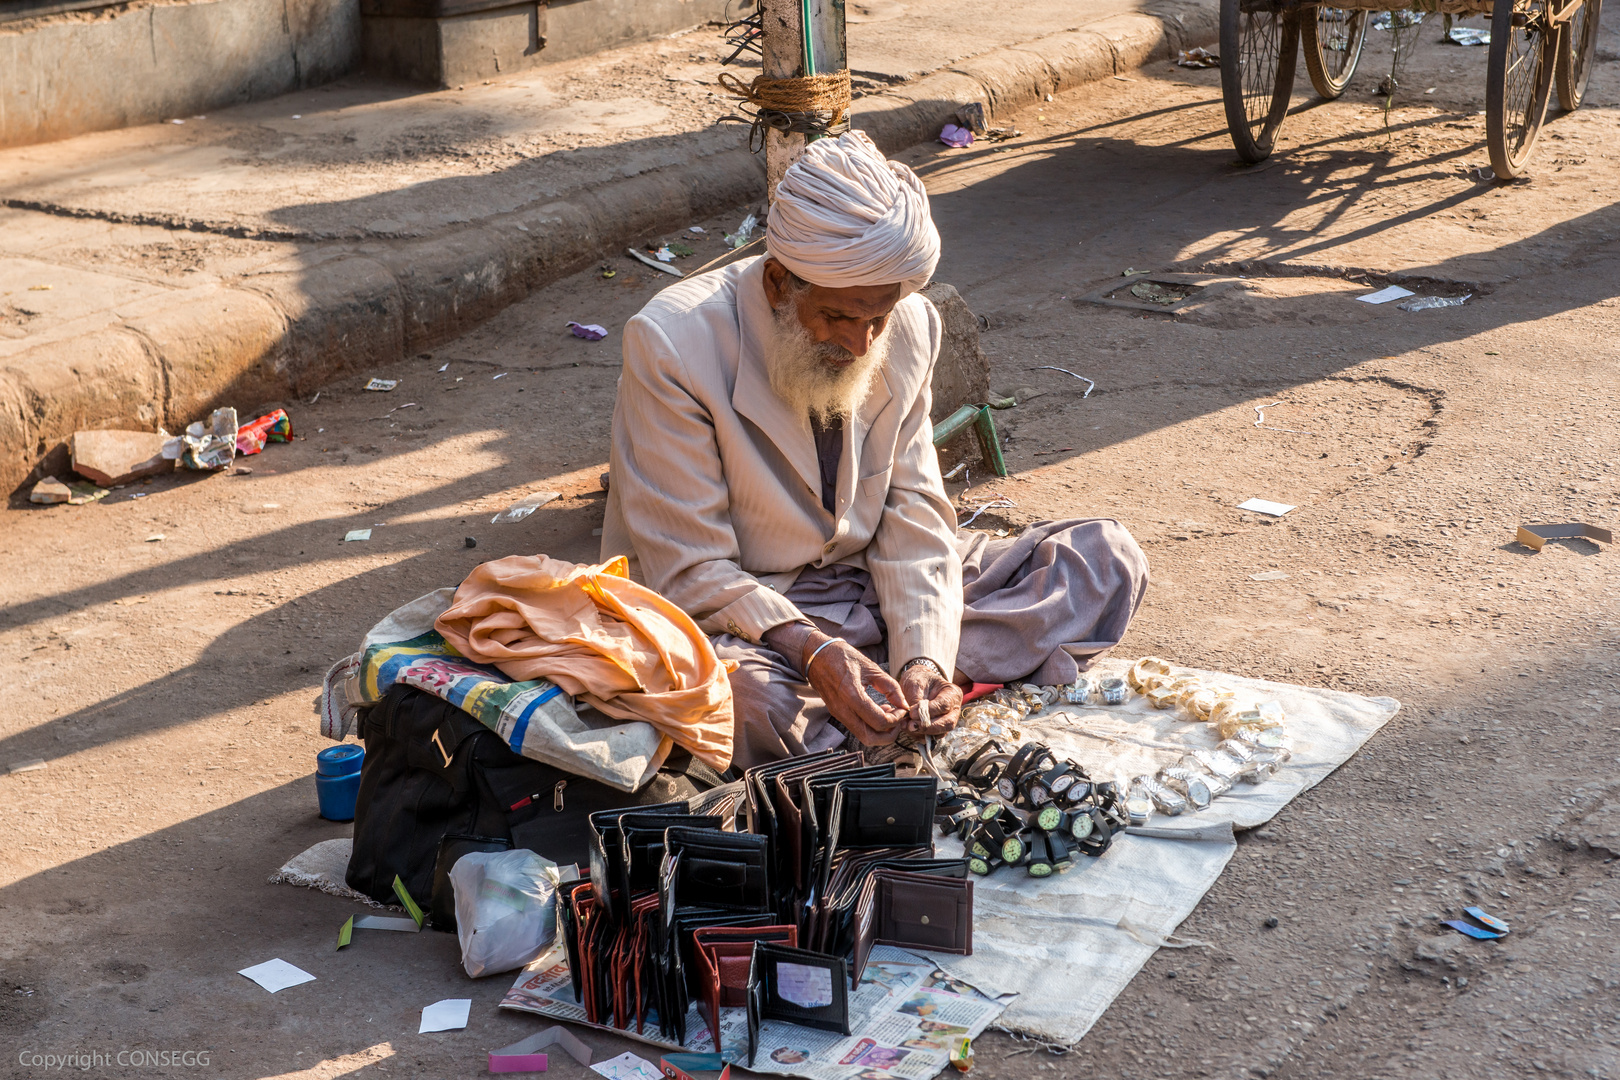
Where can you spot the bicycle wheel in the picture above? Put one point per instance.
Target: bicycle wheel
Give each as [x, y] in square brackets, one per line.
[1332, 42]
[1518, 82]
[1259, 47]
[1576, 46]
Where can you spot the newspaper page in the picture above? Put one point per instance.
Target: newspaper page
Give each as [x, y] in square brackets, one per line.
[905, 1016]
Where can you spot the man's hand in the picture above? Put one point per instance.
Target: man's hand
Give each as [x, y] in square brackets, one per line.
[923, 682]
[840, 674]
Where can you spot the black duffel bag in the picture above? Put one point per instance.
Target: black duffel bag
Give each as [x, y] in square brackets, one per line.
[433, 771]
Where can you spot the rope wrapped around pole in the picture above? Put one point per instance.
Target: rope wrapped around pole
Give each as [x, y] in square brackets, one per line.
[814, 105]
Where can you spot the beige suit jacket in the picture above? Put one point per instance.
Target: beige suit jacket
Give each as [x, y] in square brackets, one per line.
[716, 489]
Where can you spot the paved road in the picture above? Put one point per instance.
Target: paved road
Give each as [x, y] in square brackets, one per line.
[168, 682]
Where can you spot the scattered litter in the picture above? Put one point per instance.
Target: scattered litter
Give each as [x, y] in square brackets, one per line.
[1487, 920]
[1197, 58]
[608, 271]
[960, 465]
[390, 412]
[31, 765]
[445, 368]
[1124, 78]
[1260, 419]
[356, 534]
[298, 116]
[744, 233]
[317, 396]
[276, 975]
[972, 117]
[994, 504]
[627, 1067]
[1469, 35]
[1269, 575]
[406, 899]
[110, 458]
[1471, 930]
[1090, 385]
[681, 251]
[954, 135]
[698, 229]
[588, 331]
[85, 493]
[1535, 537]
[654, 263]
[524, 507]
[1131, 271]
[139, 495]
[1266, 506]
[663, 254]
[204, 448]
[524, 1055]
[1485, 174]
[156, 538]
[1002, 134]
[447, 1015]
[1396, 20]
[40, 288]
[1425, 303]
[240, 470]
[1385, 295]
[271, 427]
[386, 922]
[502, 375]
[50, 491]
[962, 1055]
[1059, 450]
[382, 384]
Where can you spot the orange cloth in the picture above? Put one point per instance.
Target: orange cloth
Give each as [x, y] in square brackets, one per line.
[601, 637]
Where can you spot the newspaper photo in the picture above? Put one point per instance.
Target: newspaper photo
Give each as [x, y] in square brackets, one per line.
[905, 1017]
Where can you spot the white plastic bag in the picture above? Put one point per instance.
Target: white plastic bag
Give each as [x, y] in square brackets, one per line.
[505, 914]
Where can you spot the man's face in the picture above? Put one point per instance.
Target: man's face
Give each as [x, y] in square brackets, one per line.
[849, 320]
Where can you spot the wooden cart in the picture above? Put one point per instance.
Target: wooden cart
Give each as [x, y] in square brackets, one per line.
[1534, 44]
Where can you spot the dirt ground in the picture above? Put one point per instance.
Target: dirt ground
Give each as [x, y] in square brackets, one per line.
[171, 639]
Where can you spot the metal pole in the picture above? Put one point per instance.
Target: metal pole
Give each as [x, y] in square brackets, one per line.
[787, 25]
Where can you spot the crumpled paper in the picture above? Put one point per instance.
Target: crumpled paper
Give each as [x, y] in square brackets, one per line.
[205, 448]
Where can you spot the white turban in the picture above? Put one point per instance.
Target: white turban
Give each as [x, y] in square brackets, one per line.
[845, 215]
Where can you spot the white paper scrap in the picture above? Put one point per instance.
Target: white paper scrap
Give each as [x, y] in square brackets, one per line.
[276, 975]
[382, 384]
[627, 1067]
[447, 1015]
[383, 922]
[1264, 575]
[1265, 506]
[1384, 296]
[356, 534]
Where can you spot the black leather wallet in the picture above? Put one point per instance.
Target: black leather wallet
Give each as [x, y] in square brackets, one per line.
[716, 870]
[914, 911]
[799, 986]
[606, 852]
[641, 847]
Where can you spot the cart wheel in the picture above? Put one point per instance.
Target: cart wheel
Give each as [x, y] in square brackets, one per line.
[1332, 42]
[1259, 47]
[1518, 82]
[1578, 41]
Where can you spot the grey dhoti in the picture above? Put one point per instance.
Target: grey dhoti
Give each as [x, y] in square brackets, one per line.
[1039, 607]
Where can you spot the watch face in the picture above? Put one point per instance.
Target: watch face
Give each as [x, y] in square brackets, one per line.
[1063, 783]
[1049, 818]
[978, 866]
[1006, 788]
[1080, 826]
[1040, 869]
[988, 811]
[1012, 850]
[979, 850]
[1039, 795]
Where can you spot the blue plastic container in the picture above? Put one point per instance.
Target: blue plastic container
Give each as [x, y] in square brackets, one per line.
[337, 780]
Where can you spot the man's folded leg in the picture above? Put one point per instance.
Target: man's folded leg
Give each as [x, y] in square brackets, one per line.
[1045, 603]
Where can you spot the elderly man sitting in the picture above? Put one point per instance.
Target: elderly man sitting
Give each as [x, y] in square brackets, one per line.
[774, 475]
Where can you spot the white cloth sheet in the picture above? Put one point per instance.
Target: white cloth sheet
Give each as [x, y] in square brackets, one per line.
[1068, 944]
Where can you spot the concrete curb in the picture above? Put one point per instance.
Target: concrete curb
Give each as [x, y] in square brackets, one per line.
[271, 335]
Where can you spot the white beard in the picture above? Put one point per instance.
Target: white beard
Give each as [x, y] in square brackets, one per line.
[803, 374]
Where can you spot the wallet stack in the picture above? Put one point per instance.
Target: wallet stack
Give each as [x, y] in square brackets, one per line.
[837, 857]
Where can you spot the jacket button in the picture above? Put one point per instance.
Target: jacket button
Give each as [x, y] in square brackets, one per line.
[925, 920]
[890, 821]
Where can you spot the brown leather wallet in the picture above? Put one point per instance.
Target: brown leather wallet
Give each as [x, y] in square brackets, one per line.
[724, 954]
[913, 911]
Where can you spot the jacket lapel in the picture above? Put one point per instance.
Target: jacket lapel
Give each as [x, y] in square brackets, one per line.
[850, 464]
[752, 395]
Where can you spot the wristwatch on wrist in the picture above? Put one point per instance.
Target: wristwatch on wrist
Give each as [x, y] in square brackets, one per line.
[914, 661]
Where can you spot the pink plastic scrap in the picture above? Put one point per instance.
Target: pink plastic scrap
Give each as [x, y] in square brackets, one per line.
[588, 331]
[952, 135]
